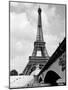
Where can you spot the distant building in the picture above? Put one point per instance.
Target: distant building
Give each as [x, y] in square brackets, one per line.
[13, 73]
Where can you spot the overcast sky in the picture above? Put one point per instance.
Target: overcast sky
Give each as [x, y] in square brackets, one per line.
[23, 29]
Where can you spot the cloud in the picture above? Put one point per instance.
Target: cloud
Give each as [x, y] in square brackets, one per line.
[52, 42]
[18, 8]
[19, 45]
[18, 22]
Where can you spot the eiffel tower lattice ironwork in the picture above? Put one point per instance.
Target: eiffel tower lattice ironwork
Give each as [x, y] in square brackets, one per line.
[39, 46]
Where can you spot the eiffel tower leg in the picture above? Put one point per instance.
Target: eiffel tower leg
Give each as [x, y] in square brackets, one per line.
[34, 52]
[42, 52]
[27, 69]
[45, 52]
[33, 67]
[28, 73]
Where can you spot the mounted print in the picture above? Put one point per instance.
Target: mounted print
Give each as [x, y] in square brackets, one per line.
[37, 44]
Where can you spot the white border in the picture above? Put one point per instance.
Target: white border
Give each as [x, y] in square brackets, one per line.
[4, 43]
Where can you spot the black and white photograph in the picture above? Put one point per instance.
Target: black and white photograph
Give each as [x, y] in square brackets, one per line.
[37, 44]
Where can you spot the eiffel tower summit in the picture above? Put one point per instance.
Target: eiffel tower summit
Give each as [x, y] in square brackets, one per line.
[39, 48]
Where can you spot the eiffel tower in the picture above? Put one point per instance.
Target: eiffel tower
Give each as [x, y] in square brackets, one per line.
[39, 46]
